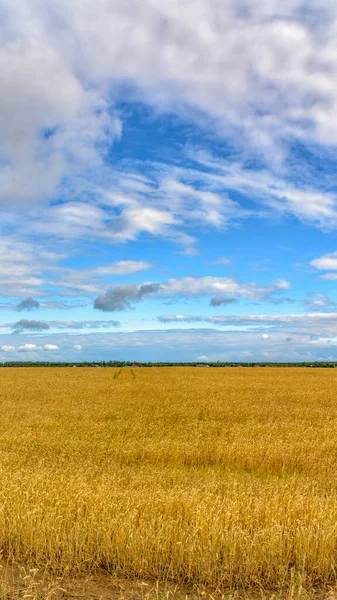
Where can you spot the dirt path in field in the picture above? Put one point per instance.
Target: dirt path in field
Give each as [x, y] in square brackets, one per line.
[21, 584]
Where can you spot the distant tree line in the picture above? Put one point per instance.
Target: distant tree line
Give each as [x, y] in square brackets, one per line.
[121, 363]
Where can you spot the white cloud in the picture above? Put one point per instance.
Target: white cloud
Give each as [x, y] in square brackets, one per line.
[22, 266]
[202, 358]
[301, 328]
[180, 318]
[319, 301]
[178, 193]
[7, 348]
[138, 219]
[41, 326]
[173, 199]
[281, 284]
[123, 267]
[292, 342]
[308, 338]
[89, 280]
[123, 296]
[264, 72]
[50, 347]
[329, 276]
[44, 133]
[89, 324]
[315, 319]
[26, 268]
[199, 286]
[78, 347]
[28, 348]
[271, 191]
[206, 57]
[328, 262]
[258, 77]
[71, 220]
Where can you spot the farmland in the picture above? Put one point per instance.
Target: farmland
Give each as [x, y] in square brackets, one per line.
[223, 478]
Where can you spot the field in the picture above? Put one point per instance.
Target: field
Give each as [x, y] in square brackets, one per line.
[219, 479]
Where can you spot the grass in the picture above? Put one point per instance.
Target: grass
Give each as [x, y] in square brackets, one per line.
[221, 479]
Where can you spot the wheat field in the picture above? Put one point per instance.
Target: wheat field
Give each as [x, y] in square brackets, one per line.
[220, 477]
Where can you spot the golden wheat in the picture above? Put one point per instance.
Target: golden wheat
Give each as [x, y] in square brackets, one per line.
[221, 477]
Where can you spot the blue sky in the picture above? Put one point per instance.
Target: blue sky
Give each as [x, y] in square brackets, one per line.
[168, 180]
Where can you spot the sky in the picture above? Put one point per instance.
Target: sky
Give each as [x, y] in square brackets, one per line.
[168, 180]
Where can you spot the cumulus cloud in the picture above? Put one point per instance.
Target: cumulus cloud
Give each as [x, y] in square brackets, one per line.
[28, 304]
[121, 296]
[220, 300]
[26, 325]
[28, 348]
[265, 336]
[50, 347]
[8, 348]
[327, 262]
[117, 298]
[77, 347]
